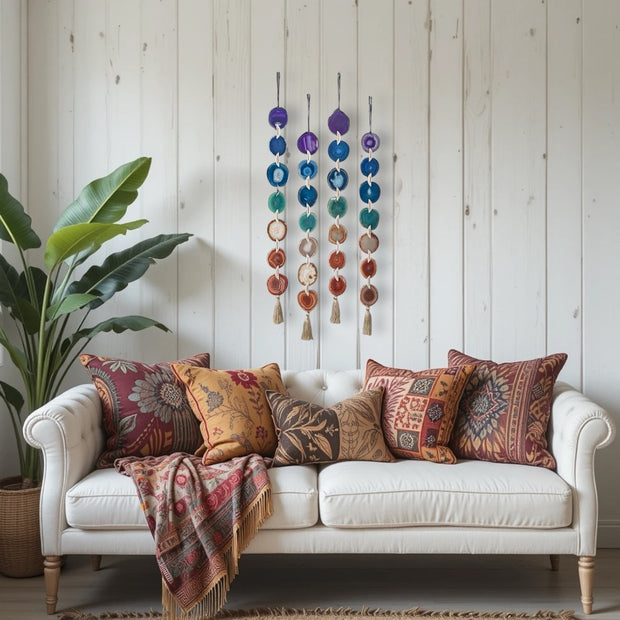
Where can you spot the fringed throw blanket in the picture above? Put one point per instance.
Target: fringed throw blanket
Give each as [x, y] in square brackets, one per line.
[202, 517]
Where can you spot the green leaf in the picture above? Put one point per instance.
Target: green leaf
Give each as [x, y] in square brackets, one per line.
[118, 325]
[106, 200]
[126, 266]
[68, 304]
[18, 357]
[14, 296]
[15, 223]
[72, 240]
[12, 396]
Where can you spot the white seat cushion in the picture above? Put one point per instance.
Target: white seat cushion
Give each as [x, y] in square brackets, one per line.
[468, 493]
[106, 499]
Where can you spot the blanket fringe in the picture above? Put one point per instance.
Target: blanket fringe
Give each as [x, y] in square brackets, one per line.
[214, 598]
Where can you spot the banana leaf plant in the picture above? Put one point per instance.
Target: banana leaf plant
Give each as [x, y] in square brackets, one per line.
[45, 311]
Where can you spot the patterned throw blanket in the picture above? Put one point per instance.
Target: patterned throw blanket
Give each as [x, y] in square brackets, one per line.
[202, 517]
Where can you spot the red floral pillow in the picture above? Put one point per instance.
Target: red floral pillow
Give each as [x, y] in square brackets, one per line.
[505, 410]
[145, 408]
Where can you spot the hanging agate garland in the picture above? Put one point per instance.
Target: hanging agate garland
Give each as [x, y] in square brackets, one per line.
[307, 274]
[277, 175]
[369, 219]
[337, 179]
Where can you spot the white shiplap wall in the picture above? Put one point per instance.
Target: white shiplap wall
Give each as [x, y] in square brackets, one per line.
[500, 171]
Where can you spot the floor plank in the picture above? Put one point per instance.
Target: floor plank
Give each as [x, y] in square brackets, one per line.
[481, 583]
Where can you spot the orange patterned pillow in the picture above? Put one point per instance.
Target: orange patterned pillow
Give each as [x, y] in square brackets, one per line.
[235, 418]
[505, 410]
[419, 408]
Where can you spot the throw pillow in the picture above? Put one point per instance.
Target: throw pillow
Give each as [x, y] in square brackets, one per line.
[419, 408]
[145, 409]
[347, 431]
[505, 410]
[235, 419]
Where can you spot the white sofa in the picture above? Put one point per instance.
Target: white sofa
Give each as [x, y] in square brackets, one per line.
[349, 507]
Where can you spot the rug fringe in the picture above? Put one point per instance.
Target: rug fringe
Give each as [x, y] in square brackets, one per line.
[367, 612]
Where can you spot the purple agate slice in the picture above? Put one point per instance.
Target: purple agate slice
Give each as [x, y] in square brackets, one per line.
[370, 142]
[278, 116]
[308, 143]
[338, 122]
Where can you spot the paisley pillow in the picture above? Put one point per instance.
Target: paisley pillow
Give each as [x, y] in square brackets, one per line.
[145, 408]
[505, 410]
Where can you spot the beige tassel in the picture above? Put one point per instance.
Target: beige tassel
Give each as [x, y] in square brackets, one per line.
[367, 329]
[335, 318]
[277, 312]
[306, 333]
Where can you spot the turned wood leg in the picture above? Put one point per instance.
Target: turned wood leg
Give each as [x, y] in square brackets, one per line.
[555, 562]
[586, 581]
[95, 561]
[51, 570]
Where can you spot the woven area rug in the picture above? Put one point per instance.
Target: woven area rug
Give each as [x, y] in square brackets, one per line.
[337, 614]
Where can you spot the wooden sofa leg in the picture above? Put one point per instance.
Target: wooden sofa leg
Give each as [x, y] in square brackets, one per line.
[51, 570]
[586, 581]
[95, 561]
[555, 562]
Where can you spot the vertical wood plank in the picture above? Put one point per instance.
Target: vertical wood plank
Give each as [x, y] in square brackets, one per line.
[477, 263]
[376, 78]
[518, 185]
[302, 77]
[157, 290]
[411, 184]
[339, 54]
[564, 190]
[196, 162]
[601, 251]
[446, 179]
[12, 165]
[232, 216]
[268, 25]
[121, 143]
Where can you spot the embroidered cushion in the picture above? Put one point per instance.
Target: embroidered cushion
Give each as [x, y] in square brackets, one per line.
[235, 419]
[145, 409]
[419, 408]
[505, 410]
[350, 430]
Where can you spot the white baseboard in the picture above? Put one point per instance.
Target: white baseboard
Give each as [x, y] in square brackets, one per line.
[608, 533]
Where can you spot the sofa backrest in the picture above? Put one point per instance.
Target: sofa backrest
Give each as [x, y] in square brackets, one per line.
[323, 387]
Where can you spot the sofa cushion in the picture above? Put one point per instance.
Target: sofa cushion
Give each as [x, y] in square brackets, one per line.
[505, 410]
[144, 406]
[235, 419]
[419, 408]
[468, 493]
[106, 500]
[349, 430]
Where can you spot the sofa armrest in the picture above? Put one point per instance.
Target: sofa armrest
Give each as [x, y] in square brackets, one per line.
[69, 432]
[577, 429]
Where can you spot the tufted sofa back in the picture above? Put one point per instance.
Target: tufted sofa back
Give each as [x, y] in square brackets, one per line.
[323, 387]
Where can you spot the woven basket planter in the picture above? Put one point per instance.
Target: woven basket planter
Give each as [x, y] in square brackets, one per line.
[20, 540]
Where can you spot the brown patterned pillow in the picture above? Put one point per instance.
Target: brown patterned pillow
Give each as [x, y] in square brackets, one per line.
[505, 410]
[419, 408]
[145, 409]
[235, 419]
[347, 431]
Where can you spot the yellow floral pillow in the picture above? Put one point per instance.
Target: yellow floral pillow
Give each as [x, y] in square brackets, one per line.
[235, 418]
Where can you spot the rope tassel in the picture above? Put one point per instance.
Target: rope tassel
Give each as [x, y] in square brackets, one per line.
[367, 328]
[306, 333]
[278, 317]
[335, 317]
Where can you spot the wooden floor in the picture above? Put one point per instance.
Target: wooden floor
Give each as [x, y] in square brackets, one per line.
[480, 583]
